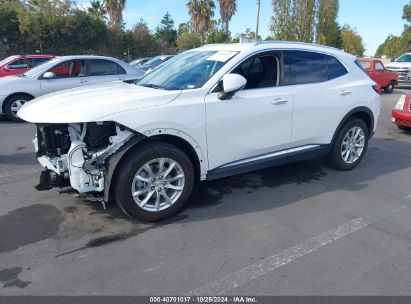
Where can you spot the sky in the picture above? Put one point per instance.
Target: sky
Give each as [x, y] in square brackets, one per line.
[373, 19]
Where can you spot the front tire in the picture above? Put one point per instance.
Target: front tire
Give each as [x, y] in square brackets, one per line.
[155, 182]
[350, 145]
[390, 88]
[13, 105]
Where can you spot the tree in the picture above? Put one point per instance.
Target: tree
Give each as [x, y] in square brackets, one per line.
[281, 23]
[165, 31]
[183, 27]
[328, 30]
[187, 41]
[248, 34]
[351, 41]
[115, 10]
[392, 47]
[218, 37]
[227, 11]
[97, 9]
[201, 12]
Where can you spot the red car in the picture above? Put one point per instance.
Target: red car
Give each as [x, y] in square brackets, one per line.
[377, 72]
[401, 114]
[14, 65]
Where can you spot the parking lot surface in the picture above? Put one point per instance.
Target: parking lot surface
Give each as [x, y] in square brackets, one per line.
[299, 229]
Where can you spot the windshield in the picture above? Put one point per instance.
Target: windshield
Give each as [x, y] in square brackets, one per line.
[404, 58]
[156, 60]
[5, 60]
[42, 67]
[189, 70]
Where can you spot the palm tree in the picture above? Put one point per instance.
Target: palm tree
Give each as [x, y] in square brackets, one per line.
[201, 12]
[97, 9]
[115, 9]
[227, 11]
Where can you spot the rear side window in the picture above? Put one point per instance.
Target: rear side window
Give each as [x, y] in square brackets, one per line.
[101, 67]
[302, 67]
[37, 61]
[365, 65]
[335, 68]
[310, 67]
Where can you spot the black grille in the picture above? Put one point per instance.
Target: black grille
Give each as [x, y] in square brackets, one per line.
[53, 140]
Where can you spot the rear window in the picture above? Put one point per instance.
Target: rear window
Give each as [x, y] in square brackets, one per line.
[335, 68]
[366, 65]
[101, 67]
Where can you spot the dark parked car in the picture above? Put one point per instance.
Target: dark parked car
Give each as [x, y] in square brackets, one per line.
[140, 61]
[155, 61]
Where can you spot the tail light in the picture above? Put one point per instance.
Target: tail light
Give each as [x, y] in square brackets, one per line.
[377, 88]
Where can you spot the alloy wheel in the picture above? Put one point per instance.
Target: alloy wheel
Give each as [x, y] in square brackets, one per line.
[353, 145]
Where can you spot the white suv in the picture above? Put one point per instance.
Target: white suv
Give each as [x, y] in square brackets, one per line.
[208, 113]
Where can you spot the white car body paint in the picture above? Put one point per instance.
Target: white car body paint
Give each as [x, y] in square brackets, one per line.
[35, 86]
[253, 123]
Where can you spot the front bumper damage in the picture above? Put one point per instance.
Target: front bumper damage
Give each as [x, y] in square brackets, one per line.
[82, 158]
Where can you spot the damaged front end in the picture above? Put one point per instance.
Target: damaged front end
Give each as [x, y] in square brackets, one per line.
[77, 155]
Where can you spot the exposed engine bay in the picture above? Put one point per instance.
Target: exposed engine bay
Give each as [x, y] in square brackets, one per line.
[75, 155]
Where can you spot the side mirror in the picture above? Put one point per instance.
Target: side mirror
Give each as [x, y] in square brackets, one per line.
[232, 83]
[5, 68]
[49, 75]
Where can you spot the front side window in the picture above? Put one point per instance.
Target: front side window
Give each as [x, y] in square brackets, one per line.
[379, 67]
[101, 67]
[70, 69]
[18, 64]
[189, 70]
[261, 71]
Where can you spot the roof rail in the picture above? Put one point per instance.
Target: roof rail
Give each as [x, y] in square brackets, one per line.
[298, 43]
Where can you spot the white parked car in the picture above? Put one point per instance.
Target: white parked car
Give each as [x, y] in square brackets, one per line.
[402, 66]
[208, 113]
[58, 74]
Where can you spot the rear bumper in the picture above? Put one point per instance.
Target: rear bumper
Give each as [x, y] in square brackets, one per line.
[401, 118]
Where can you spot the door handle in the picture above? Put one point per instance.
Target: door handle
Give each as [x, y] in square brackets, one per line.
[345, 93]
[279, 101]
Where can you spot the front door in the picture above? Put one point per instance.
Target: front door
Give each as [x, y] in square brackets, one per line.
[256, 121]
[67, 75]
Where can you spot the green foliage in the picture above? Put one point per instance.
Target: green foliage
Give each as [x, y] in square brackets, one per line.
[328, 30]
[217, 36]
[227, 11]
[201, 13]
[394, 46]
[183, 27]
[165, 31]
[351, 41]
[187, 41]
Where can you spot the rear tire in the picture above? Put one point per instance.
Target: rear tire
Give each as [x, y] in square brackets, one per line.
[154, 182]
[14, 103]
[350, 145]
[390, 88]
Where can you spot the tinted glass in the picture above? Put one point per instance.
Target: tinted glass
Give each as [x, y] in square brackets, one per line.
[100, 67]
[69, 69]
[335, 68]
[288, 69]
[261, 71]
[310, 67]
[18, 64]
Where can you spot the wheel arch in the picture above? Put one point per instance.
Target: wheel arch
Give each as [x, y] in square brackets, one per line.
[174, 137]
[12, 95]
[363, 113]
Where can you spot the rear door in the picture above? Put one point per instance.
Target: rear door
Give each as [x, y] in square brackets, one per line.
[321, 93]
[103, 70]
[68, 74]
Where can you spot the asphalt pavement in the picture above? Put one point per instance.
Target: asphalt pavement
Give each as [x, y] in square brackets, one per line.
[299, 229]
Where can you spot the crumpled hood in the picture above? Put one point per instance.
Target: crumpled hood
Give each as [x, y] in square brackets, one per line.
[90, 103]
[398, 65]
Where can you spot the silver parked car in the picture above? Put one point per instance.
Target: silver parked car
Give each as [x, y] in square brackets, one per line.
[58, 74]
